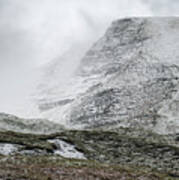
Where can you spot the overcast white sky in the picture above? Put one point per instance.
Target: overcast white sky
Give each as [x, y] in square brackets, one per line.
[33, 32]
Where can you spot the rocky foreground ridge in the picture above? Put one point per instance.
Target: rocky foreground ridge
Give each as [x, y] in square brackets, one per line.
[129, 78]
[123, 153]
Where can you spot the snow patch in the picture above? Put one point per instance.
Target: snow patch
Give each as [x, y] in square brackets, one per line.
[7, 149]
[66, 150]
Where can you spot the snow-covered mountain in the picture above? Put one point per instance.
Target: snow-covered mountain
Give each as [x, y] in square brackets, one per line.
[130, 77]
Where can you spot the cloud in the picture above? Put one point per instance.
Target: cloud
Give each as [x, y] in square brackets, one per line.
[40, 30]
[163, 7]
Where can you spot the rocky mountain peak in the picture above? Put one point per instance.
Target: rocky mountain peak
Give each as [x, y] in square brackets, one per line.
[128, 78]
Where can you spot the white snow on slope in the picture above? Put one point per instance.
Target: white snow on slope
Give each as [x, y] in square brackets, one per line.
[7, 149]
[66, 150]
[145, 52]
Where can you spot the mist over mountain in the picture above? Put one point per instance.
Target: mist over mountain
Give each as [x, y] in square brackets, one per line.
[128, 78]
[89, 89]
[34, 32]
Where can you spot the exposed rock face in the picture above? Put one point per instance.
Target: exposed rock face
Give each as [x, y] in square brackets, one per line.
[130, 78]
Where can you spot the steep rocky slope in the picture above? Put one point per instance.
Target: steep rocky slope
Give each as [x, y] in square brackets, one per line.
[129, 78]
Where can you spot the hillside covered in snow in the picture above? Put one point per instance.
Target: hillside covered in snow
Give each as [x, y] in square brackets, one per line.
[128, 78]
